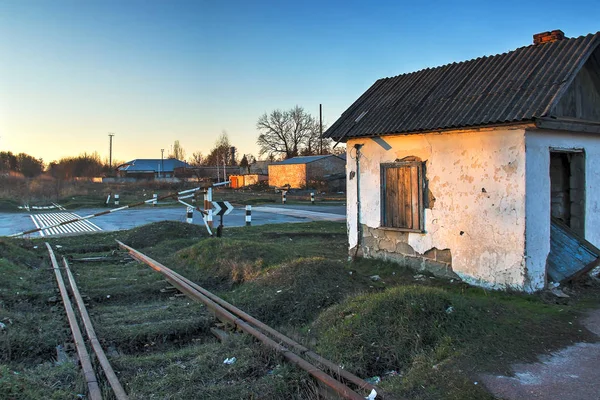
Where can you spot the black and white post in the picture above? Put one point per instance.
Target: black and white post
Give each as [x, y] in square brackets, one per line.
[154, 197]
[312, 198]
[116, 199]
[283, 196]
[248, 215]
[190, 215]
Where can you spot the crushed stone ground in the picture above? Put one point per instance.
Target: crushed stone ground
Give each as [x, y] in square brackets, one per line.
[572, 373]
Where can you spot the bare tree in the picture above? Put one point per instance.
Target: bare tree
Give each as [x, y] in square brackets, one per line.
[286, 133]
[178, 151]
[222, 152]
[339, 150]
[197, 158]
[313, 144]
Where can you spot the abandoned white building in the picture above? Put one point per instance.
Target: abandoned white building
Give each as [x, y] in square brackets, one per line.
[465, 169]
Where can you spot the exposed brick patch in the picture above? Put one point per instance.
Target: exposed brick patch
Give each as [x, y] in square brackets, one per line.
[393, 246]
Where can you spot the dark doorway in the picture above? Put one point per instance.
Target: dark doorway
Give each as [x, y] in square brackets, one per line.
[567, 186]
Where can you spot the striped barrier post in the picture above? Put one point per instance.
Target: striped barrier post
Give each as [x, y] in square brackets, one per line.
[116, 199]
[248, 215]
[283, 196]
[312, 198]
[190, 215]
[154, 197]
[208, 206]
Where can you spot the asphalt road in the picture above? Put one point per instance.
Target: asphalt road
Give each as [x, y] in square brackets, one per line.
[11, 223]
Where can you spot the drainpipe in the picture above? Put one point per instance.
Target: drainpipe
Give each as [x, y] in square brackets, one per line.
[358, 224]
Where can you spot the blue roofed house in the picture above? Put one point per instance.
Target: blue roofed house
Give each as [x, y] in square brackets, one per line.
[145, 168]
[486, 170]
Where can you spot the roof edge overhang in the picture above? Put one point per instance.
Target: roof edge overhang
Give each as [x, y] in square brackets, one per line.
[478, 128]
[568, 124]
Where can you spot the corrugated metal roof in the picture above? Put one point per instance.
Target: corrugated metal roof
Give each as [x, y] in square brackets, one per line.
[520, 85]
[302, 160]
[152, 165]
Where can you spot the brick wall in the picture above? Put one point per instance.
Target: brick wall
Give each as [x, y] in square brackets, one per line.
[287, 174]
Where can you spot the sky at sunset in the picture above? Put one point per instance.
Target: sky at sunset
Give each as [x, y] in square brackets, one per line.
[157, 71]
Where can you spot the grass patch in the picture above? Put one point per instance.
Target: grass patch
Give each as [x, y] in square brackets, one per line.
[228, 261]
[198, 371]
[45, 381]
[150, 326]
[9, 205]
[152, 234]
[32, 328]
[414, 329]
[295, 293]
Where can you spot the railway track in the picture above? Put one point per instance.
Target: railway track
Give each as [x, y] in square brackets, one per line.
[84, 356]
[330, 376]
[324, 371]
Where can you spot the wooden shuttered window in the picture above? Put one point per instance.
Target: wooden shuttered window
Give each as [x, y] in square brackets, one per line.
[402, 195]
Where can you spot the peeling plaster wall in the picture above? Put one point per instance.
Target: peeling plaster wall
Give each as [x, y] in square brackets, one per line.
[539, 143]
[477, 178]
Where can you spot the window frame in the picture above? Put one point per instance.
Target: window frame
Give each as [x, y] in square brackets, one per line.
[422, 186]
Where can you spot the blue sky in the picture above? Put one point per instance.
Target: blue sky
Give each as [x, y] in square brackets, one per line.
[157, 71]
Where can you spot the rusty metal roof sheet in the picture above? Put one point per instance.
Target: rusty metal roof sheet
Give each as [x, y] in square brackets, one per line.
[516, 86]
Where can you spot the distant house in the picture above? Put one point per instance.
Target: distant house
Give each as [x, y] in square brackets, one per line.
[150, 168]
[299, 172]
[238, 181]
[259, 167]
[473, 169]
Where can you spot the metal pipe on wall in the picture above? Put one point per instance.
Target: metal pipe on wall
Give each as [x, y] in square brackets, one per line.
[358, 224]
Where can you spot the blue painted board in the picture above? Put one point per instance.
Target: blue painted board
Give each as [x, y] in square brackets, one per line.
[569, 254]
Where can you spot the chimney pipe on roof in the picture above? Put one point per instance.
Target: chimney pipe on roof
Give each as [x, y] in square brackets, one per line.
[548, 37]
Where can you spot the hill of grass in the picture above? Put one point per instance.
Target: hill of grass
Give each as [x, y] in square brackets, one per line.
[424, 337]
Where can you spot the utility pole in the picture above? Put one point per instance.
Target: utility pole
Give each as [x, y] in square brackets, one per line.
[321, 127]
[110, 135]
[162, 162]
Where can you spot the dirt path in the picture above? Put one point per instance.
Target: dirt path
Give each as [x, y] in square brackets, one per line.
[569, 374]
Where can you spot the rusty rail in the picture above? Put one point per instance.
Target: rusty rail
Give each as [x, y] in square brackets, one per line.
[84, 357]
[89, 328]
[226, 316]
[361, 383]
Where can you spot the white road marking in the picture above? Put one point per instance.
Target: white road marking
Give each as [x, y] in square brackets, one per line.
[36, 225]
[47, 219]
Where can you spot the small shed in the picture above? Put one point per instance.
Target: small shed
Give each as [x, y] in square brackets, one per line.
[299, 172]
[238, 181]
[487, 170]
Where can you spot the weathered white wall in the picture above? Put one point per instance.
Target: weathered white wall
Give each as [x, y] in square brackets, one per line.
[478, 180]
[538, 144]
